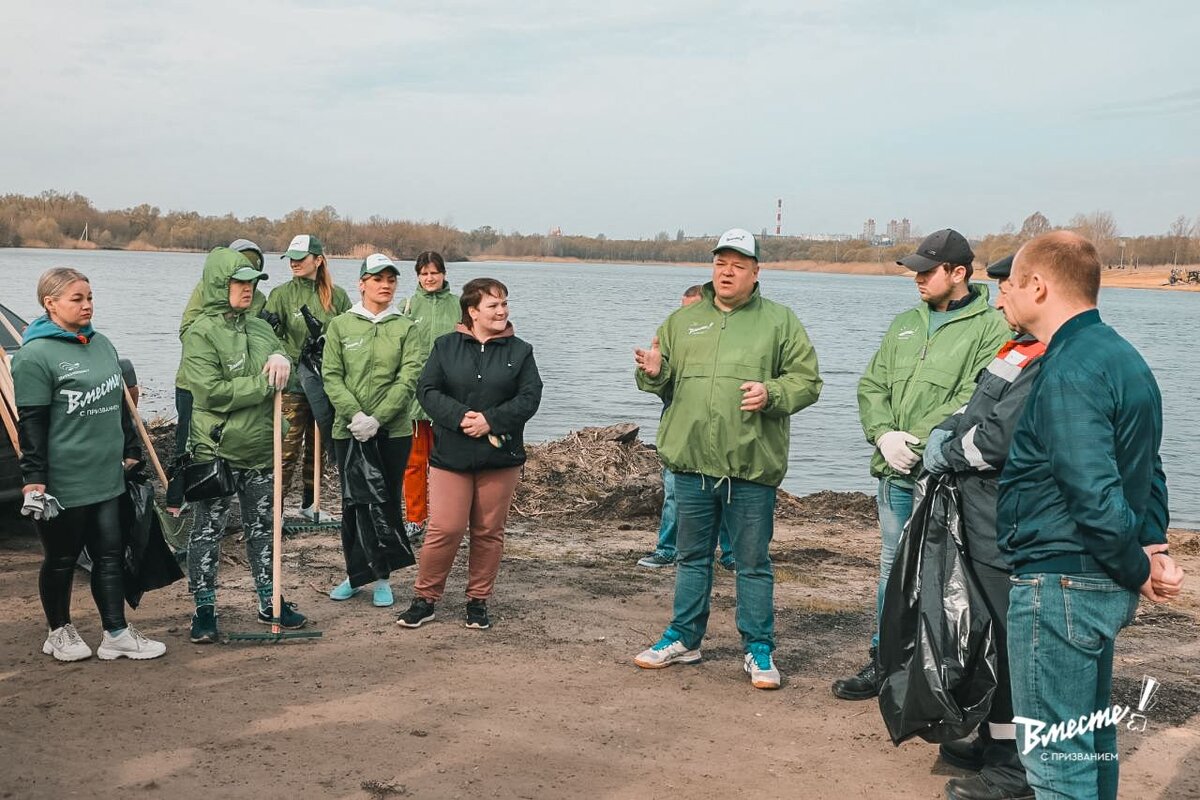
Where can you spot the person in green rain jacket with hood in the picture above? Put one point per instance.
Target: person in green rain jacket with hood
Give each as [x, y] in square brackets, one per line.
[737, 366]
[923, 372]
[233, 363]
[434, 310]
[370, 369]
[312, 286]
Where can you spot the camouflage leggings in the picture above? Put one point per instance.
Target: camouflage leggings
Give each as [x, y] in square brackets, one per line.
[255, 489]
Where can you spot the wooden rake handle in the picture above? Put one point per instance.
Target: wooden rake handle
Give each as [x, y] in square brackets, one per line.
[145, 436]
[277, 522]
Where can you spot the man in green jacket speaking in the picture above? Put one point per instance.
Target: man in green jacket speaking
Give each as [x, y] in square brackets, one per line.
[923, 372]
[736, 366]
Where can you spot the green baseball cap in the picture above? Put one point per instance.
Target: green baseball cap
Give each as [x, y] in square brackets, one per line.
[248, 274]
[375, 264]
[302, 246]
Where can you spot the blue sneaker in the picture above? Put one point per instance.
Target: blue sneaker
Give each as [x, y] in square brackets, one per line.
[382, 596]
[343, 591]
[761, 667]
[666, 651]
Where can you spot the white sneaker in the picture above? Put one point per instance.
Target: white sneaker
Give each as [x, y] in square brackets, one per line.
[762, 671]
[129, 643]
[665, 653]
[65, 644]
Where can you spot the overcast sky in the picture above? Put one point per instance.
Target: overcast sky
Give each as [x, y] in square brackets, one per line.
[623, 117]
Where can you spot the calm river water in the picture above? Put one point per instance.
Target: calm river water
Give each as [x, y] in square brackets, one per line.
[585, 319]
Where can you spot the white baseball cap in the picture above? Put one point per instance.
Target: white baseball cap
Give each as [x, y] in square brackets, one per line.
[739, 240]
[375, 264]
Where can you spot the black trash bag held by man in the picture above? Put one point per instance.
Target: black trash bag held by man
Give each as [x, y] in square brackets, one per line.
[309, 370]
[374, 543]
[937, 653]
[149, 563]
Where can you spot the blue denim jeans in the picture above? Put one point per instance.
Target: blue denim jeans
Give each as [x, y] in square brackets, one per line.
[666, 528]
[749, 508]
[895, 503]
[1061, 630]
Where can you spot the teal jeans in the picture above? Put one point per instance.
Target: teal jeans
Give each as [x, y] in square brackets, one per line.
[1061, 630]
[703, 503]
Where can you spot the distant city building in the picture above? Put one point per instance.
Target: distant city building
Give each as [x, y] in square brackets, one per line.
[899, 231]
[868, 231]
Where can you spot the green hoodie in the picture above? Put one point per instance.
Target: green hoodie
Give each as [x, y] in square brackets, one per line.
[194, 306]
[224, 352]
[433, 314]
[371, 364]
[707, 355]
[285, 300]
[915, 381]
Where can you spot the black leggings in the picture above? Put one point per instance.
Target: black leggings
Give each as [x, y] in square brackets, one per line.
[99, 527]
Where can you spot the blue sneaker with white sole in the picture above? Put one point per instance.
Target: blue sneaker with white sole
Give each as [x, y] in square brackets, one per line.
[382, 596]
[343, 591]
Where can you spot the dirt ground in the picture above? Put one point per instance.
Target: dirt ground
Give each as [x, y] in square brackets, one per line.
[547, 703]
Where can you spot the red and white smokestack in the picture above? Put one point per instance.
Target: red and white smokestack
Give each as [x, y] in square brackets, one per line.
[779, 216]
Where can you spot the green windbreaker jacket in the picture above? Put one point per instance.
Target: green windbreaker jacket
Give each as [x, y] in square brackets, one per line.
[707, 355]
[372, 366]
[915, 380]
[433, 314]
[194, 307]
[285, 300]
[224, 352]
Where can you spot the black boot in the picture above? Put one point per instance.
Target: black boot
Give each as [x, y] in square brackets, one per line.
[862, 686]
[1001, 778]
[965, 753]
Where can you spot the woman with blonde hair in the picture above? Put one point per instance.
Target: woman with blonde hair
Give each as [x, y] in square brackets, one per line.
[312, 287]
[76, 440]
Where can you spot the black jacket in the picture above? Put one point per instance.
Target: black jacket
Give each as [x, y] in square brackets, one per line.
[499, 379]
[981, 433]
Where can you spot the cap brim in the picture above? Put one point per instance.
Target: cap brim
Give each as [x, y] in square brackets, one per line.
[248, 274]
[1000, 269]
[736, 249]
[918, 263]
[379, 269]
[296, 255]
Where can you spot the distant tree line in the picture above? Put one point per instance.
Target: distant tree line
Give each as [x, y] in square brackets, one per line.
[53, 219]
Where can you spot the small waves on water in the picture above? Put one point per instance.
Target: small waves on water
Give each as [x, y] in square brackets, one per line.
[585, 319]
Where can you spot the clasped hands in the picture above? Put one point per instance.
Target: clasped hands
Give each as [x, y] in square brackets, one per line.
[475, 425]
[1166, 577]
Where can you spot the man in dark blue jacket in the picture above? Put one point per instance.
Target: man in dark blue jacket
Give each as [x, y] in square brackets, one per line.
[1081, 518]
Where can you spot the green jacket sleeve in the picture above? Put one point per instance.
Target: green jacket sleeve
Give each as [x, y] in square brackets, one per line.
[1077, 411]
[1157, 516]
[799, 382]
[333, 374]
[661, 384]
[399, 396]
[192, 310]
[211, 389]
[874, 395]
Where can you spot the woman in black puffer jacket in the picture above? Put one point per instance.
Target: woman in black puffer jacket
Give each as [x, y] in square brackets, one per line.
[480, 386]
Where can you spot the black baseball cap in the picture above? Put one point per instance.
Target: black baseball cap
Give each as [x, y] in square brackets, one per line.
[1002, 268]
[946, 246]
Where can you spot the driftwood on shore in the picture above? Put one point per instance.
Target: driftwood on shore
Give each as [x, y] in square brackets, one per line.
[603, 474]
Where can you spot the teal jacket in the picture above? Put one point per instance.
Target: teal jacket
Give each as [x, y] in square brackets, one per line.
[707, 355]
[371, 365]
[1084, 476]
[914, 381]
[224, 352]
[433, 314]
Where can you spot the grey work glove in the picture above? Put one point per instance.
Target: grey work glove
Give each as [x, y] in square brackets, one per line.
[934, 460]
[41, 506]
[363, 426]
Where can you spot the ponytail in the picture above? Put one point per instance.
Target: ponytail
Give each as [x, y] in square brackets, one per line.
[324, 281]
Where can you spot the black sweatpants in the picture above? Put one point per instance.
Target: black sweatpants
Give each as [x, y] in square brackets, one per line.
[98, 526]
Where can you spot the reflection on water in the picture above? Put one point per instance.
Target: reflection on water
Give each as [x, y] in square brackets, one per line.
[585, 319]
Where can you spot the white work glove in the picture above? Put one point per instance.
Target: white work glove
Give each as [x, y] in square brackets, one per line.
[41, 506]
[278, 369]
[894, 447]
[363, 426]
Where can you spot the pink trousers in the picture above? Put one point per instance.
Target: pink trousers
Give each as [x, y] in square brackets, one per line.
[458, 501]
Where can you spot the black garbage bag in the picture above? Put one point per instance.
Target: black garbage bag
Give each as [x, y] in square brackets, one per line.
[937, 651]
[149, 563]
[373, 538]
[309, 371]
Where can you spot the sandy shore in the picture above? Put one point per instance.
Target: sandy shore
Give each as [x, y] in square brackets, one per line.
[546, 704]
